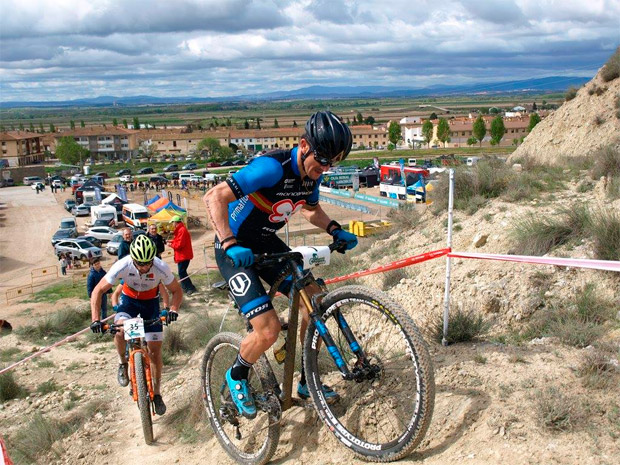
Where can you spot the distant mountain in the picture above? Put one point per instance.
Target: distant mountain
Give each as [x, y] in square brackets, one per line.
[552, 83]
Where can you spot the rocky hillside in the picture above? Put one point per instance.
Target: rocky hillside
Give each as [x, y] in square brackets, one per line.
[579, 127]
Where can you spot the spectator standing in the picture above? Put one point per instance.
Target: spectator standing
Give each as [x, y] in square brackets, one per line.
[63, 264]
[183, 253]
[160, 243]
[123, 248]
[94, 276]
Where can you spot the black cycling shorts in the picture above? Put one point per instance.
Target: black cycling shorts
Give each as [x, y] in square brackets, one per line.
[245, 283]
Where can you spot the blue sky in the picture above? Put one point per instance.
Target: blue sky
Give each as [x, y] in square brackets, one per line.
[66, 49]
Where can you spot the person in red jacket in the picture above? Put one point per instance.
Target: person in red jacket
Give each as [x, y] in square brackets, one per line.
[183, 253]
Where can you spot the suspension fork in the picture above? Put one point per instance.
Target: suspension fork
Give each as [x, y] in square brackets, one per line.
[330, 344]
[350, 337]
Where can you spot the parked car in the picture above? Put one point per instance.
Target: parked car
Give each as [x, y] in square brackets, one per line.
[114, 244]
[103, 233]
[92, 239]
[78, 248]
[68, 223]
[102, 174]
[126, 178]
[8, 182]
[123, 171]
[227, 163]
[51, 179]
[101, 222]
[69, 204]
[171, 167]
[28, 180]
[190, 166]
[239, 162]
[174, 175]
[81, 210]
[40, 185]
[57, 183]
[213, 164]
[158, 179]
[63, 235]
[146, 170]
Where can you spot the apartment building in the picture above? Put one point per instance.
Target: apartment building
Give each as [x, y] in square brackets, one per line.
[21, 148]
[461, 129]
[103, 142]
[177, 141]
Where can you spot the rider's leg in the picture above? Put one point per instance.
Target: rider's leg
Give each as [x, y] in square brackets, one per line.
[266, 328]
[119, 342]
[157, 364]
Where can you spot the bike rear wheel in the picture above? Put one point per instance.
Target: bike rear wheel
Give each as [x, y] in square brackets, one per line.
[144, 400]
[384, 413]
[247, 441]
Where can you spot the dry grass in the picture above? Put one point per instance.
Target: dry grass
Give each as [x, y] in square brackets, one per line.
[571, 93]
[465, 325]
[596, 370]
[611, 70]
[188, 419]
[556, 411]
[9, 388]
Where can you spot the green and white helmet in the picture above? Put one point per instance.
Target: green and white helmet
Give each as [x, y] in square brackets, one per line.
[142, 249]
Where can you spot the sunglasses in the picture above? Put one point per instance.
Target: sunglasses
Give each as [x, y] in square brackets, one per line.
[149, 263]
[324, 161]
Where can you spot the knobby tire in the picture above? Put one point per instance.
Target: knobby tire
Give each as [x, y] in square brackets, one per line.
[144, 401]
[384, 419]
[219, 355]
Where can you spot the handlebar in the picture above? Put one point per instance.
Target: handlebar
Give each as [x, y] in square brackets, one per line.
[113, 328]
[270, 259]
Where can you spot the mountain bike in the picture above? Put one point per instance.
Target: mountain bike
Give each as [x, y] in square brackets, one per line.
[373, 356]
[141, 381]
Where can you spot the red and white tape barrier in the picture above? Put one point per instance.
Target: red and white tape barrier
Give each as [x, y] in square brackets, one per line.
[392, 266]
[603, 265]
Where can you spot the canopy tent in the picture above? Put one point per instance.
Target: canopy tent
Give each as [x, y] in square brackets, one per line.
[172, 206]
[157, 204]
[162, 219]
[153, 200]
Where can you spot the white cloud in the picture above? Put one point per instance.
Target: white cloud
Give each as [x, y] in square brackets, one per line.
[225, 47]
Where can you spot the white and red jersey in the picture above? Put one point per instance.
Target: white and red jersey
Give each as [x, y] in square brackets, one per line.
[136, 285]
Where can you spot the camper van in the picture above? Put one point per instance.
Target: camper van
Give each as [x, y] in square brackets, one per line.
[103, 212]
[135, 216]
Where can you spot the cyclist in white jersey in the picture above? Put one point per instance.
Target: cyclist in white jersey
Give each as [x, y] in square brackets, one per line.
[141, 273]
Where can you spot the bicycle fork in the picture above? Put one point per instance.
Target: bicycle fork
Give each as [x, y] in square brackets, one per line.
[363, 363]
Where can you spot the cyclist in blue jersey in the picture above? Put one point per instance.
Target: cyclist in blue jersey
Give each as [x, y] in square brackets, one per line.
[246, 212]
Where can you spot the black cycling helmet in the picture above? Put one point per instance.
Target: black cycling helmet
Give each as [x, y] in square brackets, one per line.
[329, 137]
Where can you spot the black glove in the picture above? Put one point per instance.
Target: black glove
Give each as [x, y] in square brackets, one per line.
[96, 326]
[171, 316]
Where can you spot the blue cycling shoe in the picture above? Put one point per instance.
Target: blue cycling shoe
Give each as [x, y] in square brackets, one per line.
[241, 396]
[329, 393]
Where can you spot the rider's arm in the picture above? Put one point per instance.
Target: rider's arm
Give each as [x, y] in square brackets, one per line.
[95, 298]
[116, 295]
[216, 201]
[316, 216]
[262, 172]
[164, 295]
[177, 295]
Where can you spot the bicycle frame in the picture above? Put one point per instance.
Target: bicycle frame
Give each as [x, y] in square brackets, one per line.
[300, 281]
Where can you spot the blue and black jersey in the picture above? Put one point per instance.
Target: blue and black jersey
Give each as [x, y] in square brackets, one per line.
[268, 191]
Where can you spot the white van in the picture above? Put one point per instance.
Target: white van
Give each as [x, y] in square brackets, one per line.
[189, 177]
[135, 216]
[103, 212]
[411, 162]
[29, 180]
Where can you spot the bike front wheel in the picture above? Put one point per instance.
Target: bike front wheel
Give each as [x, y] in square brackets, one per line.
[250, 442]
[144, 400]
[384, 412]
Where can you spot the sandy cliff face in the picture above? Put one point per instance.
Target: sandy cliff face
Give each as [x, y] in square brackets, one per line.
[579, 127]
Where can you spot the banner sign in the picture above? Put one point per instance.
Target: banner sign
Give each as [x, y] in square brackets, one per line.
[377, 200]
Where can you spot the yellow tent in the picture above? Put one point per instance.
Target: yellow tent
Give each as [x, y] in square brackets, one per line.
[162, 220]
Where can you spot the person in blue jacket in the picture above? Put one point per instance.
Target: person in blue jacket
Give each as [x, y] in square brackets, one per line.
[94, 276]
